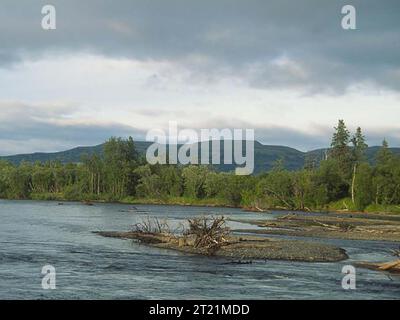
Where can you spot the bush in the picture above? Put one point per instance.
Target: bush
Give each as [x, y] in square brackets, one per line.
[73, 192]
[383, 208]
[342, 204]
[46, 196]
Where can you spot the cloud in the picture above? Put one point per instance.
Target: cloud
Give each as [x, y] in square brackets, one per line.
[286, 69]
[33, 128]
[122, 96]
[231, 36]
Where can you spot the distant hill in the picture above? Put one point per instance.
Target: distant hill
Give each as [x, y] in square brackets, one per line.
[265, 155]
[370, 153]
[71, 155]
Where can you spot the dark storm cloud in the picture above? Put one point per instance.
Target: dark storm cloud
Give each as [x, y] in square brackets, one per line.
[280, 44]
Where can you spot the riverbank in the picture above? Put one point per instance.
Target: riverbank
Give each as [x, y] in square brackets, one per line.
[244, 247]
[342, 206]
[363, 226]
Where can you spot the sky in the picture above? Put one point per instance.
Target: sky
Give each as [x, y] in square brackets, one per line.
[286, 69]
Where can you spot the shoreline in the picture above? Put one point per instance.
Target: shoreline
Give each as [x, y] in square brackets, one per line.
[158, 202]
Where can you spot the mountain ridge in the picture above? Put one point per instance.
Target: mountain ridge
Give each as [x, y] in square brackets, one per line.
[265, 155]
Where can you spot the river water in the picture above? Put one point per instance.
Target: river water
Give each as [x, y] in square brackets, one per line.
[88, 266]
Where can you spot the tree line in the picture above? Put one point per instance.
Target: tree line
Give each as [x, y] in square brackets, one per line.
[342, 180]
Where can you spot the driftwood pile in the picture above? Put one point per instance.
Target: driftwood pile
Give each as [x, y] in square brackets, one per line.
[209, 233]
[205, 233]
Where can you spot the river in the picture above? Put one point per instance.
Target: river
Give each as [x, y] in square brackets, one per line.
[88, 266]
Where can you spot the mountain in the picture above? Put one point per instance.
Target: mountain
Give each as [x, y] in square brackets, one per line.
[370, 153]
[265, 155]
[72, 155]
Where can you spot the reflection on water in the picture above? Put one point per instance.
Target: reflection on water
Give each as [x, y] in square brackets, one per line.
[34, 234]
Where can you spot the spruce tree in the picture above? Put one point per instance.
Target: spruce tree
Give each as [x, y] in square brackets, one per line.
[358, 156]
[384, 154]
[384, 182]
[340, 151]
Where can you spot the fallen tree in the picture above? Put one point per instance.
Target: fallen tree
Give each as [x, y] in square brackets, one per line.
[392, 266]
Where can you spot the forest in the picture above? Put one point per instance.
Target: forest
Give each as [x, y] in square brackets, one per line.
[343, 180]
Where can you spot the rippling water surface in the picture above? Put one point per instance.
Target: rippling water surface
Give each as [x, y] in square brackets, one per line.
[88, 266]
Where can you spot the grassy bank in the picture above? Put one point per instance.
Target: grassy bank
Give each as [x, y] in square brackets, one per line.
[182, 201]
[343, 205]
[346, 204]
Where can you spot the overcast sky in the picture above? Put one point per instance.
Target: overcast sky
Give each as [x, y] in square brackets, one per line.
[122, 67]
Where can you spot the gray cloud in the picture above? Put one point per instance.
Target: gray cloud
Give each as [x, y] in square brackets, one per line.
[27, 128]
[232, 37]
[318, 136]
[278, 44]
[280, 135]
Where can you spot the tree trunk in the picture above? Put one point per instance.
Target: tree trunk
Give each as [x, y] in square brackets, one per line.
[98, 184]
[353, 183]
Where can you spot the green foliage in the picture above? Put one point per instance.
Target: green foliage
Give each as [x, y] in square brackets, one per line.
[344, 204]
[120, 160]
[194, 178]
[363, 186]
[330, 178]
[380, 208]
[386, 178]
[73, 192]
[359, 146]
[18, 181]
[276, 188]
[358, 156]
[303, 189]
[340, 151]
[343, 181]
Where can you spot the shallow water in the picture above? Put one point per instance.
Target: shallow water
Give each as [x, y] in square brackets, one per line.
[88, 266]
